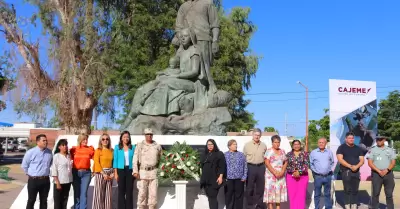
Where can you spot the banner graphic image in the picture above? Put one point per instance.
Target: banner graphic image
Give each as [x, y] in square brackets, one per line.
[353, 108]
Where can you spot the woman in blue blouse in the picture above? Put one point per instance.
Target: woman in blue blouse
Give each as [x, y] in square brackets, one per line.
[236, 176]
[122, 164]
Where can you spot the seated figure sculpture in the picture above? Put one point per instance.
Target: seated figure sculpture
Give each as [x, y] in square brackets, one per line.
[178, 100]
[173, 68]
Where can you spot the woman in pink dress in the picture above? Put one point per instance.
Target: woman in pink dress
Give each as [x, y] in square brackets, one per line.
[275, 184]
[297, 175]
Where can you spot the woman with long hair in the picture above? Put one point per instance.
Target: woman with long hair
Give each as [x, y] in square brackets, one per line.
[122, 164]
[213, 173]
[297, 175]
[61, 170]
[104, 173]
[275, 191]
[81, 156]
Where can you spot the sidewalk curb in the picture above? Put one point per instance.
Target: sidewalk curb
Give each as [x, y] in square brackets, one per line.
[16, 182]
[20, 183]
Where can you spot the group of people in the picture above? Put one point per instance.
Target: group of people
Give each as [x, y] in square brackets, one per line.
[272, 176]
[268, 175]
[125, 163]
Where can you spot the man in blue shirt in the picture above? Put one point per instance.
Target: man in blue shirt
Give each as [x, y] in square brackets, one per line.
[321, 161]
[36, 165]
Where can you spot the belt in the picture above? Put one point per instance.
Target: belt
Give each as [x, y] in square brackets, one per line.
[259, 164]
[148, 168]
[38, 177]
[323, 175]
[81, 170]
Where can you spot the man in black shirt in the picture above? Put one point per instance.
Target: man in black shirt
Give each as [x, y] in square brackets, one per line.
[351, 158]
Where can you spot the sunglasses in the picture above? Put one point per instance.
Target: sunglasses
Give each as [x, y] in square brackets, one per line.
[105, 139]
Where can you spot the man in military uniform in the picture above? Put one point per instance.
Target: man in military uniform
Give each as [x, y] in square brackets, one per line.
[381, 159]
[145, 163]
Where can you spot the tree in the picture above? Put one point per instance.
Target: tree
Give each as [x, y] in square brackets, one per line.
[6, 77]
[270, 129]
[78, 35]
[389, 116]
[236, 65]
[146, 34]
[319, 128]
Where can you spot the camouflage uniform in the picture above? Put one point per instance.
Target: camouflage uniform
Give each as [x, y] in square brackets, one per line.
[145, 163]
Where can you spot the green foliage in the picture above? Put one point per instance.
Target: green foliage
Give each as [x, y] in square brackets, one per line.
[397, 167]
[31, 145]
[236, 65]
[270, 129]
[54, 122]
[180, 162]
[396, 146]
[7, 77]
[389, 116]
[318, 128]
[141, 46]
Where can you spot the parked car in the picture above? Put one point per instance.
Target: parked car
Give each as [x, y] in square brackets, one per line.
[23, 146]
[12, 145]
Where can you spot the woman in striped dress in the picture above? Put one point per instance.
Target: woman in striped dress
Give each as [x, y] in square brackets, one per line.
[104, 174]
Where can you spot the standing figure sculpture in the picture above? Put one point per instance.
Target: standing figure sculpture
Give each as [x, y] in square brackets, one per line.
[202, 16]
[183, 99]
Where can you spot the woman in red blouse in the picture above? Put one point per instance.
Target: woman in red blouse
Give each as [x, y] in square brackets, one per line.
[81, 156]
[297, 175]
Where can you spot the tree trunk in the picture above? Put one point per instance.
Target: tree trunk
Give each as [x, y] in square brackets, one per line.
[76, 108]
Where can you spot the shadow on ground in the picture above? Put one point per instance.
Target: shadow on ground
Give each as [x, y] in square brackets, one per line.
[363, 198]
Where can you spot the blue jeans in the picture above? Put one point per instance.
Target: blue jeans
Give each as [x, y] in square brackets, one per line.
[81, 185]
[324, 181]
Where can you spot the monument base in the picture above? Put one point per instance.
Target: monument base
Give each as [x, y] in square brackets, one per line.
[210, 122]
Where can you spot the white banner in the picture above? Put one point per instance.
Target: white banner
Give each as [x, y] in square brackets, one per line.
[353, 108]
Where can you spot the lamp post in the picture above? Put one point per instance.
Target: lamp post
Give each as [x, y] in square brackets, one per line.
[306, 109]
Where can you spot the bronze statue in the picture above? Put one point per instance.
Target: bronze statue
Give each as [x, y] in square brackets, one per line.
[183, 99]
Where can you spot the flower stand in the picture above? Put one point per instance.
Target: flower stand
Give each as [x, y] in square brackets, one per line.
[180, 194]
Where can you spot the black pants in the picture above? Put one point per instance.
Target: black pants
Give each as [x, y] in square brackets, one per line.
[255, 186]
[351, 184]
[125, 188]
[35, 186]
[234, 190]
[61, 196]
[212, 194]
[377, 182]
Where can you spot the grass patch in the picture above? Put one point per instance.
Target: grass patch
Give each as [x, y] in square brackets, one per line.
[397, 167]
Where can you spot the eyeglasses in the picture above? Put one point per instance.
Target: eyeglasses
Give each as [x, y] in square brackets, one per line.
[105, 139]
[210, 144]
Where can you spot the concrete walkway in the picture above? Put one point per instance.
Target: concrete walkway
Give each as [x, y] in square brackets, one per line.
[9, 190]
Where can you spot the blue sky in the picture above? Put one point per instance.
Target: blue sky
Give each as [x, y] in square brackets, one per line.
[312, 41]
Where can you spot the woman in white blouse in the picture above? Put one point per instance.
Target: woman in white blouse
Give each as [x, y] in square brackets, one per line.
[61, 170]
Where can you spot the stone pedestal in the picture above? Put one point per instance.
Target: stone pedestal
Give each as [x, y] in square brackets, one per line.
[180, 194]
[210, 122]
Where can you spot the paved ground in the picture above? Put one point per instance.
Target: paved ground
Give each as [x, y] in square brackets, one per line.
[9, 190]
